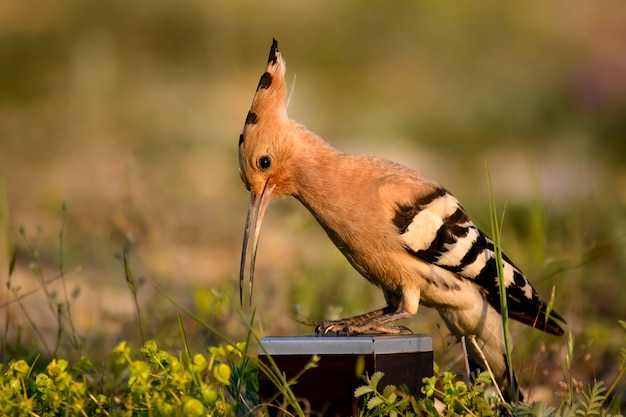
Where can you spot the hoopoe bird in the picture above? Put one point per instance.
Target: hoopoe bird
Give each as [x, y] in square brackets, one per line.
[402, 231]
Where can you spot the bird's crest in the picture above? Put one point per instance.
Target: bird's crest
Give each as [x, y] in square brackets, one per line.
[260, 152]
[270, 100]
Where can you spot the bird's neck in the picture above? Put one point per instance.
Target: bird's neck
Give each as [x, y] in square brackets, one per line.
[323, 176]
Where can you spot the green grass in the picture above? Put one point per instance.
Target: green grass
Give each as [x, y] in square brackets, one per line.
[496, 236]
[217, 374]
[147, 381]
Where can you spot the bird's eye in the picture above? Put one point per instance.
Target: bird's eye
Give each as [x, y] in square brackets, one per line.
[264, 162]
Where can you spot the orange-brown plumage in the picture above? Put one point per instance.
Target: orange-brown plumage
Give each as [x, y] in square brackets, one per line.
[400, 230]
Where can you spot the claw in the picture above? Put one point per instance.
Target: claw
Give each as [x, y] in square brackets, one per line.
[347, 328]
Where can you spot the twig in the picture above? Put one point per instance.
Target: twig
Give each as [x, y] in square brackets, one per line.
[480, 353]
[43, 284]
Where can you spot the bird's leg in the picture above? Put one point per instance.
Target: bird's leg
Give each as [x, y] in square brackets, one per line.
[374, 321]
[467, 364]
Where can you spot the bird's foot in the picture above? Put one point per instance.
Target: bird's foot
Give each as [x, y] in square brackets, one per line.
[350, 327]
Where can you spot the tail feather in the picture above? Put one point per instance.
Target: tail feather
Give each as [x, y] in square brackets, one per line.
[552, 324]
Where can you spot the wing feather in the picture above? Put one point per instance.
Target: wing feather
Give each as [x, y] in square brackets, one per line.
[436, 229]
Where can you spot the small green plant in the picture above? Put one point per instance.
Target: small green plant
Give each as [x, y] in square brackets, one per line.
[390, 401]
[59, 306]
[271, 370]
[447, 388]
[150, 382]
[446, 394]
[223, 379]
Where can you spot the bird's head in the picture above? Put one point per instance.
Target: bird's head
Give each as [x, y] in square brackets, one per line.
[264, 148]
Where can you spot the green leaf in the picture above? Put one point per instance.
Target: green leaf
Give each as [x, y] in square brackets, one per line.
[374, 402]
[128, 273]
[389, 391]
[360, 391]
[375, 379]
[593, 400]
[83, 365]
[483, 378]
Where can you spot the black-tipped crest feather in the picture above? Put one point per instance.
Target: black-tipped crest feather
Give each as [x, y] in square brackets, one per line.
[273, 53]
[265, 81]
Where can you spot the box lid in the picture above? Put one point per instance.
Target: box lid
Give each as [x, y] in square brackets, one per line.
[366, 344]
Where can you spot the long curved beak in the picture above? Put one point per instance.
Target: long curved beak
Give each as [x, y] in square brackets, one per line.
[256, 210]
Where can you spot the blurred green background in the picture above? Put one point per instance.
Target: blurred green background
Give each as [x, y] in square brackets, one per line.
[131, 112]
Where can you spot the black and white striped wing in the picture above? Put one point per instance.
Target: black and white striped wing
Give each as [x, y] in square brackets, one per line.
[436, 229]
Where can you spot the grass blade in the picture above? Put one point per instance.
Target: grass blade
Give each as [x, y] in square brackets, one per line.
[496, 234]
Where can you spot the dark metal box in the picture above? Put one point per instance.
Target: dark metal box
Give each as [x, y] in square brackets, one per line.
[328, 389]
